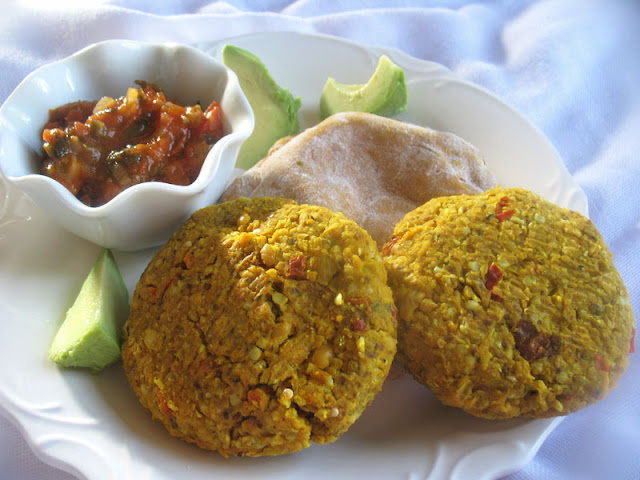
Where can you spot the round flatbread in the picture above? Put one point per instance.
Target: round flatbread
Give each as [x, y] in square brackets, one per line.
[370, 168]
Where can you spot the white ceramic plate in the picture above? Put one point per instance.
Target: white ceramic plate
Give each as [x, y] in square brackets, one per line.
[92, 425]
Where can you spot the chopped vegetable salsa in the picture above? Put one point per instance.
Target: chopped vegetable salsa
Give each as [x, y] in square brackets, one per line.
[96, 149]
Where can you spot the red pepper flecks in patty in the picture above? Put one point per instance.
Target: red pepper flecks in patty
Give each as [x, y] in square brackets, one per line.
[97, 149]
[163, 404]
[491, 279]
[493, 276]
[501, 213]
[601, 364]
[359, 325]
[297, 267]
[386, 250]
[531, 343]
[496, 298]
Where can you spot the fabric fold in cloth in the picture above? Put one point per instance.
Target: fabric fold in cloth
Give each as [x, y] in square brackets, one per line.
[571, 67]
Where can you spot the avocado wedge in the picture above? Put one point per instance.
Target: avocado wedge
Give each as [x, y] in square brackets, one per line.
[90, 334]
[275, 109]
[384, 94]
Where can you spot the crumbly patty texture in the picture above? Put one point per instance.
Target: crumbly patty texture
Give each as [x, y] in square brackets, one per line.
[262, 325]
[508, 305]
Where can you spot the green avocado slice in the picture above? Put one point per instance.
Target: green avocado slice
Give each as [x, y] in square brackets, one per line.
[274, 108]
[384, 94]
[91, 332]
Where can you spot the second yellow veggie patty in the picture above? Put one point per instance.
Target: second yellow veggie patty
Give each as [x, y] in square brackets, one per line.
[508, 305]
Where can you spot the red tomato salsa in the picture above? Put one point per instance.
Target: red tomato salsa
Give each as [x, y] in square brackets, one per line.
[97, 149]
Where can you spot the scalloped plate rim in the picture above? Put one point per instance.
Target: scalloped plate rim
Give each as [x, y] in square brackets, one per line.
[31, 430]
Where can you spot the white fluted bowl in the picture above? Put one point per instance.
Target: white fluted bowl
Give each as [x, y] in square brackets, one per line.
[146, 214]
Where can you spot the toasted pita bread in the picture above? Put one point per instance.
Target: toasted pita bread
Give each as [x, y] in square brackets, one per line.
[372, 169]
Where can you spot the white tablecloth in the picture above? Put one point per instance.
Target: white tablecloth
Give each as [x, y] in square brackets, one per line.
[572, 67]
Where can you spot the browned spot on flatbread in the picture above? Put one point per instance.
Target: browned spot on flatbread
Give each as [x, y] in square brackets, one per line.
[372, 169]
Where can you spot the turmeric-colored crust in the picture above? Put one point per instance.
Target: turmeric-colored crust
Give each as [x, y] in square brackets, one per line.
[262, 325]
[508, 305]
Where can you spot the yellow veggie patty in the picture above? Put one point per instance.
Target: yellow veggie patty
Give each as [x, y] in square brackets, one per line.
[508, 304]
[262, 325]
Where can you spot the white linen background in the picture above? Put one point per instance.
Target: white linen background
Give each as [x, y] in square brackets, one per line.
[572, 67]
